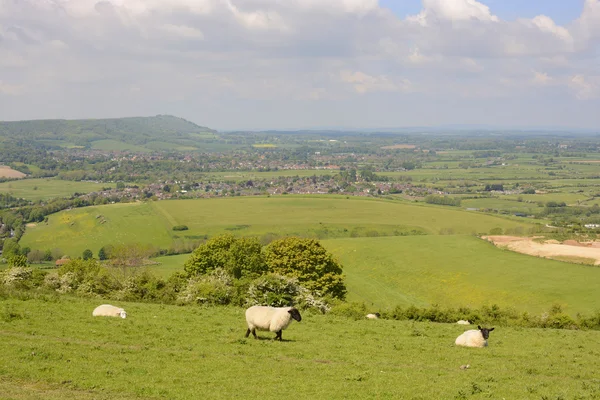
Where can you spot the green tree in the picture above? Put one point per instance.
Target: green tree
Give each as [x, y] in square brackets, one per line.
[309, 262]
[17, 261]
[87, 254]
[240, 257]
[11, 248]
[105, 252]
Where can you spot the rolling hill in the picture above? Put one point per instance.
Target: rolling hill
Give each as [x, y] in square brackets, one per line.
[164, 132]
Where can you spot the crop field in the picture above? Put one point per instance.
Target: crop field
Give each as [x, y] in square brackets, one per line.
[47, 188]
[53, 348]
[74, 230]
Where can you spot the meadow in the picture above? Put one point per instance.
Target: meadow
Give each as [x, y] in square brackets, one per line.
[151, 223]
[53, 348]
[48, 188]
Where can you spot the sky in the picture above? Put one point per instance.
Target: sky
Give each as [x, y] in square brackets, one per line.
[299, 64]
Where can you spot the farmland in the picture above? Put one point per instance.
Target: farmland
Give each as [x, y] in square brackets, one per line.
[53, 348]
[151, 223]
[48, 188]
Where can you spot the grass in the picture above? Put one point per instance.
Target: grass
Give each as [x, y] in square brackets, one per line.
[321, 217]
[48, 188]
[56, 349]
[168, 264]
[456, 271]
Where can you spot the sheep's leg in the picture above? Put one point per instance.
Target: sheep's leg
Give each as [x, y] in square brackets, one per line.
[278, 336]
[254, 333]
[247, 333]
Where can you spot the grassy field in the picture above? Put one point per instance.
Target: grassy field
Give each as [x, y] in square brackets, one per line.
[322, 217]
[48, 188]
[55, 349]
[459, 271]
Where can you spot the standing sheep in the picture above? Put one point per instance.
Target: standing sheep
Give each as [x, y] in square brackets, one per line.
[106, 310]
[474, 337]
[274, 319]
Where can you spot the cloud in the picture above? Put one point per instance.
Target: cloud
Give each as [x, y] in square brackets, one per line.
[203, 59]
[364, 83]
[452, 10]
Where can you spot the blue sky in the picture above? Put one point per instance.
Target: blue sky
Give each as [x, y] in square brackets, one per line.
[268, 64]
[561, 11]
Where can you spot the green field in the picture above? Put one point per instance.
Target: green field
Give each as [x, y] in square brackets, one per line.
[54, 349]
[455, 271]
[151, 223]
[48, 188]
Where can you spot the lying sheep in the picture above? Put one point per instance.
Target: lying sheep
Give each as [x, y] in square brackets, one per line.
[474, 337]
[463, 322]
[106, 310]
[374, 316]
[274, 319]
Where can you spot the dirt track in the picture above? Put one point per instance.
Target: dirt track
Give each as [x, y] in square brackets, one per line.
[550, 248]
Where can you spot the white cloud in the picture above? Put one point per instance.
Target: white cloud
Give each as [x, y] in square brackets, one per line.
[584, 87]
[546, 24]
[183, 31]
[453, 10]
[541, 78]
[364, 83]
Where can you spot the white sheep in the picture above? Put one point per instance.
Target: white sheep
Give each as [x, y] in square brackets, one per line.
[373, 316]
[106, 310]
[274, 319]
[474, 337]
[463, 322]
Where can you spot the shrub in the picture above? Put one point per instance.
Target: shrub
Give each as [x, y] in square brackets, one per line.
[180, 228]
[142, 286]
[350, 310]
[213, 288]
[87, 277]
[240, 257]
[17, 277]
[309, 262]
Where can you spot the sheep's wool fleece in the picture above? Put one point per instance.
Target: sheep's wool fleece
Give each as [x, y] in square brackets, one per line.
[106, 310]
[372, 316]
[271, 319]
[471, 338]
[463, 322]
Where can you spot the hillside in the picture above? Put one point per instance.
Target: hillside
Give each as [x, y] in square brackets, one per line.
[135, 133]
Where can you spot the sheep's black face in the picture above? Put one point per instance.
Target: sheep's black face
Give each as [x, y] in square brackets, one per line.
[485, 332]
[295, 314]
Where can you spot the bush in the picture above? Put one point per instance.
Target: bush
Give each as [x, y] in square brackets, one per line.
[87, 277]
[17, 277]
[180, 228]
[142, 287]
[240, 257]
[350, 310]
[307, 261]
[213, 288]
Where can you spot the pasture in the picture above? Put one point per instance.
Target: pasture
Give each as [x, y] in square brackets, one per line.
[151, 223]
[455, 271]
[48, 188]
[53, 348]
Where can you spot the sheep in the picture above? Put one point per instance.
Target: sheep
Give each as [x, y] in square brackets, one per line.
[274, 319]
[374, 316]
[106, 310]
[474, 337]
[463, 322]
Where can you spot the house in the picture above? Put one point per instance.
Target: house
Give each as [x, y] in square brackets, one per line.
[62, 261]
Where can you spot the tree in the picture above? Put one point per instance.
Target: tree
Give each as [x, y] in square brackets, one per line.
[17, 261]
[105, 252]
[240, 257]
[11, 248]
[87, 254]
[309, 262]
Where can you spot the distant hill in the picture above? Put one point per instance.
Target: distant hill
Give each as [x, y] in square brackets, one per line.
[162, 132]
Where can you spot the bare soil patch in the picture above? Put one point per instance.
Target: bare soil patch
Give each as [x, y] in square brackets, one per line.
[8, 172]
[569, 250]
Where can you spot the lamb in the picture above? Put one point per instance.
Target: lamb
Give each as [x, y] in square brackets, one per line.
[106, 310]
[474, 337]
[463, 322]
[374, 316]
[274, 319]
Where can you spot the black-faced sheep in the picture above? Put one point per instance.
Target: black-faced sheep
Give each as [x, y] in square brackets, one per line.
[106, 310]
[274, 319]
[474, 337]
